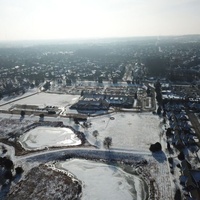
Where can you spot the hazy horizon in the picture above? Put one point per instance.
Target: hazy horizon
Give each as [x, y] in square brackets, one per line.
[81, 20]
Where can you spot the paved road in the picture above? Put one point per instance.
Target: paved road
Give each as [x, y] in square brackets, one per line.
[130, 156]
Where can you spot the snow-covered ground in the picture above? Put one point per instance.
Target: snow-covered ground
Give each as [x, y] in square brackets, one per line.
[128, 130]
[102, 181]
[8, 99]
[45, 99]
[42, 137]
[12, 125]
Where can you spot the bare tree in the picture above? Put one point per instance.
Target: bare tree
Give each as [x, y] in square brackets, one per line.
[22, 113]
[107, 142]
[95, 134]
[41, 117]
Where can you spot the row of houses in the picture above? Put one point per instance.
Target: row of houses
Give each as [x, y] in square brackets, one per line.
[190, 178]
[183, 138]
[102, 102]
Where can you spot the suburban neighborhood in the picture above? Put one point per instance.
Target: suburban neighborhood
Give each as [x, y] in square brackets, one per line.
[129, 114]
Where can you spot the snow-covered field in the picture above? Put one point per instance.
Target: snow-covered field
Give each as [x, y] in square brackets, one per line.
[42, 137]
[102, 181]
[128, 130]
[45, 99]
[7, 99]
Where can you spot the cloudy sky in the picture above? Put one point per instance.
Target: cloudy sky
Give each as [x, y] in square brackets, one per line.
[65, 19]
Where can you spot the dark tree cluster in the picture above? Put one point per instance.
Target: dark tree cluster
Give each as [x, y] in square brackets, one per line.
[177, 195]
[6, 166]
[47, 85]
[22, 113]
[155, 147]
[158, 90]
[41, 117]
[6, 163]
[6, 169]
[181, 156]
[156, 65]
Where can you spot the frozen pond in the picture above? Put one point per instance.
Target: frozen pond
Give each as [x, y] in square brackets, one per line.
[42, 137]
[103, 181]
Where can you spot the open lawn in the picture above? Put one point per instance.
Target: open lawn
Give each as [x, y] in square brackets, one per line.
[127, 130]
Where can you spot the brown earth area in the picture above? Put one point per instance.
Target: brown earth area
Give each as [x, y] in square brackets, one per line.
[43, 183]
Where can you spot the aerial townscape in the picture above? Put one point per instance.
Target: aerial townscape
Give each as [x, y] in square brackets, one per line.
[109, 119]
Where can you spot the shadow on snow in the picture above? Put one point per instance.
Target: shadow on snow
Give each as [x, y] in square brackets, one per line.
[159, 156]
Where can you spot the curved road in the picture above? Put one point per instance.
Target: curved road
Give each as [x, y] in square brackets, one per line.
[130, 156]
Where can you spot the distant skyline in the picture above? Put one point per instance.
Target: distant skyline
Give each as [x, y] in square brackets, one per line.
[84, 19]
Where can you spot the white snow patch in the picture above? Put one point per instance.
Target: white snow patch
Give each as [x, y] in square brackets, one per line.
[45, 99]
[102, 181]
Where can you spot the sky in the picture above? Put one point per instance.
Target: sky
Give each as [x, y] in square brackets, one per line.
[79, 19]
